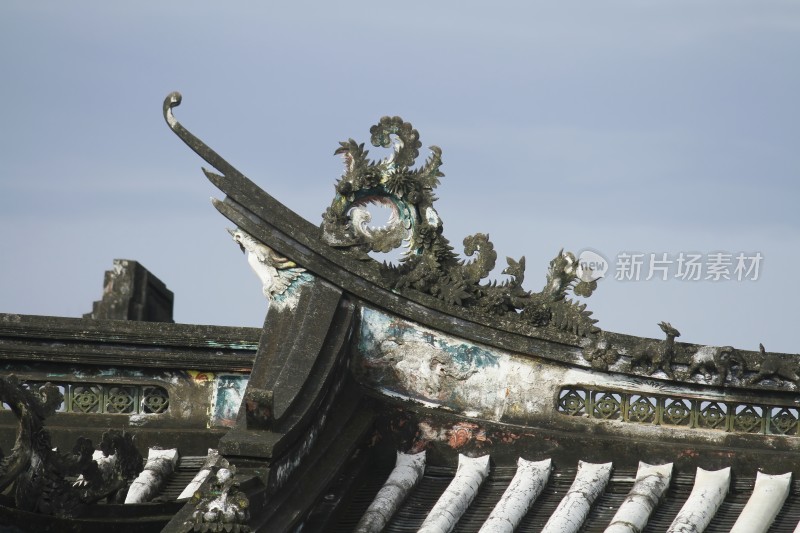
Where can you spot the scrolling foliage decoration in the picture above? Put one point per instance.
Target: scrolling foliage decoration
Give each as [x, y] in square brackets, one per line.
[429, 264]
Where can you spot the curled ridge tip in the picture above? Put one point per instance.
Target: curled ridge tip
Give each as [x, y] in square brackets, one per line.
[173, 99]
[226, 170]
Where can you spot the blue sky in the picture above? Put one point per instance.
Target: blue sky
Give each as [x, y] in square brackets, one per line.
[651, 127]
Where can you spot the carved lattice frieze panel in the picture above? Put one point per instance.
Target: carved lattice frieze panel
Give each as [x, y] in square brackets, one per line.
[676, 411]
[106, 398]
[572, 402]
[154, 400]
[748, 418]
[607, 405]
[85, 399]
[679, 411]
[783, 421]
[712, 415]
[121, 400]
[642, 409]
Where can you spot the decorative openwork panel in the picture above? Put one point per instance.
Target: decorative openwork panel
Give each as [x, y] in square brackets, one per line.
[748, 419]
[783, 421]
[675, 411]
[121, 400]
[672, 410]
[572, 402]
[85, 399]
[641, 409]
[107, 398]
[712, 415]
[607, 405]
[154, 400]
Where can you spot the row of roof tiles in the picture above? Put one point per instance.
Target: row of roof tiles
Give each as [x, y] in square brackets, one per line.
[573, 510]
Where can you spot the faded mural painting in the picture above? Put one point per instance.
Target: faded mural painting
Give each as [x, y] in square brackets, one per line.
[226, 398]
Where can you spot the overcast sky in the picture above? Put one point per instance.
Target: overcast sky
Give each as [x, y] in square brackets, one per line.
[626, 126]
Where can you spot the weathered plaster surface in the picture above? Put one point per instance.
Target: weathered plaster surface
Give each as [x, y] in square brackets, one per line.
[407, 361]
[423, 365]
[226, 398]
